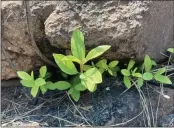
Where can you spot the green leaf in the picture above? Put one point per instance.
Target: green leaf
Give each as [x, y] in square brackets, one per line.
[92, 74]
[50, 85]
[127, 82]
[147, 63]
[140, 82]
[32, 75]
[162, 79]
[75, 95]
[74, 59]
[136, 74]
[80, 87]
[114, 71]
[77, 45]
[131, 64]
[97, 52]
[102, 64]
[24, 75]
[43, 71]
[114, 63]
[171, 50]
[91, 86]
[76, 83]
[160, 71]
[86, 67]
[134, 70]
[34, 91]
[62, 85]
[153, 63]
[110, 72]
[90, 78]
[70, 91]
[65, 64]
[147, 76]
[101, 70]
[27, 83]
[43, 89]
[39, 82]
[125, 72]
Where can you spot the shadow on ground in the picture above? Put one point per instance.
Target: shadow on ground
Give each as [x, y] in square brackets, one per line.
[108, 106]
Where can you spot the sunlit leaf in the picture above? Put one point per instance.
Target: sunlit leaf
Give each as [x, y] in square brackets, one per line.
[153, 63]
[127, 82]
[62, 85]
[90, 78]
[125, 72]
[43, 71]
[114, 63]
[77, 44]
[162, 79]
[102, 64]
[39, 82]
[66, 65]
[32, 75]
[136, 74]
[27, 83]
[131, 64]
[34, 91]
[91, 86]
[43, 89]
[97, 52]
[147, 76]
[147, 63]
[160, 71]
[170, 50]
[74, 59]
[24, 75]
[140, 82]
[93, 75]
[50, 85]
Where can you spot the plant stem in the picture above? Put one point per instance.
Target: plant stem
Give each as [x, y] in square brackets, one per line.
[81, 68]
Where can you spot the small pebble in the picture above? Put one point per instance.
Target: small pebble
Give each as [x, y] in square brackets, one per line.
[107, 89]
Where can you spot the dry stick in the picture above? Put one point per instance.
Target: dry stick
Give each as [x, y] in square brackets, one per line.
[153, 120]
[24, 114]
[128, 120]
[30, 31]
[78, 110]
[144, 103]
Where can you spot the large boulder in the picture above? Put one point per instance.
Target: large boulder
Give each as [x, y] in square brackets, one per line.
[133, 29]
[17, 51]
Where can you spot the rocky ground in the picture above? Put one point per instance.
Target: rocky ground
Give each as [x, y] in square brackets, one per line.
[110, 105]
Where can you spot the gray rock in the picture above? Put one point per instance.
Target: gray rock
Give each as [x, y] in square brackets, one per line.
[133, 29]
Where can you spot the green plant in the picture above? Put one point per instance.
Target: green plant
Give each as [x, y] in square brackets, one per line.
[81, 76]
[88, 76]
[171, 50]
[41, 82]
[146, 73]
[111, 68]
[28, 80]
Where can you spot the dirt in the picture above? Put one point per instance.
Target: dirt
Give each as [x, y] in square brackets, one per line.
[110, 105]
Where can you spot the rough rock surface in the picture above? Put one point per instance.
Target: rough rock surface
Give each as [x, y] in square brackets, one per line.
[133, 29]
[17, 51]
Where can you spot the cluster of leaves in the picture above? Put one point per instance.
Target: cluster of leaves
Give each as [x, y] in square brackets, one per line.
[145, 73]
[85, 78]
[88, 76]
